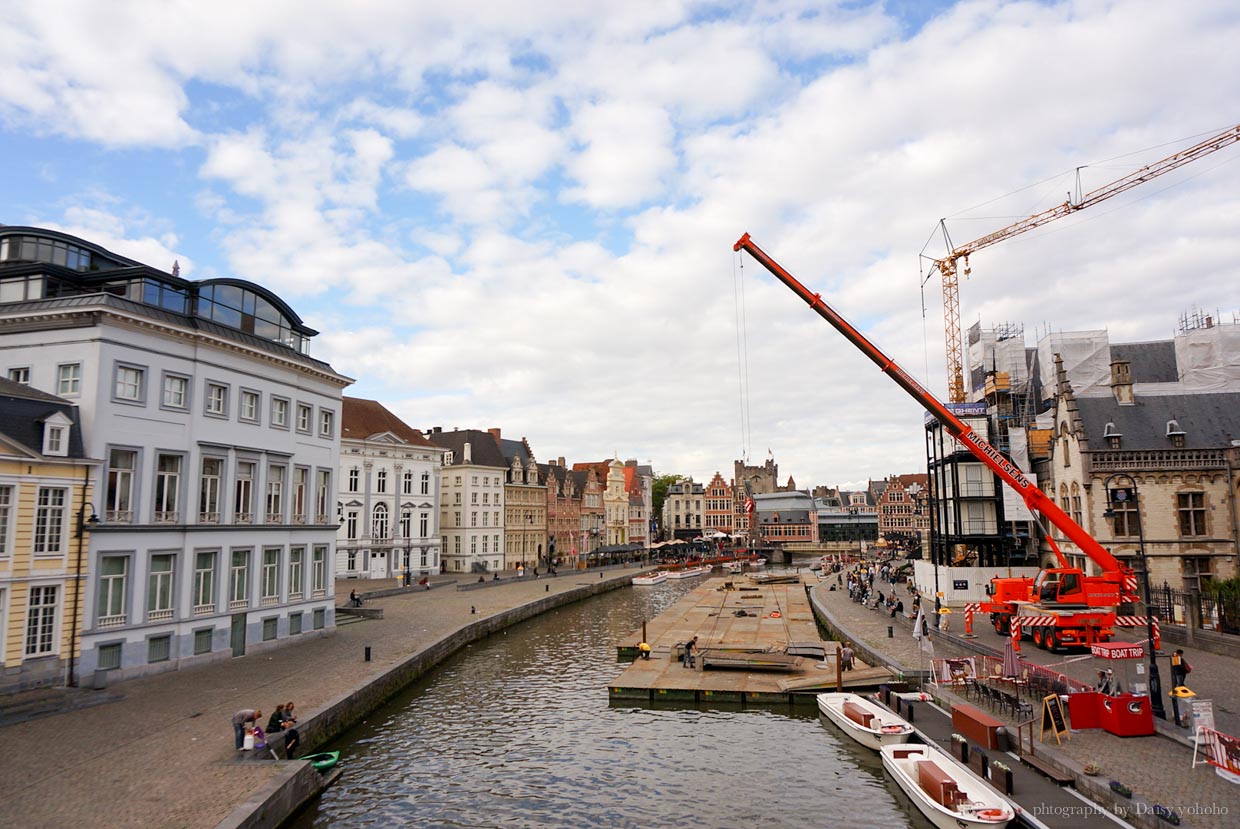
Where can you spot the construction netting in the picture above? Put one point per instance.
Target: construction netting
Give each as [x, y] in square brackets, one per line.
[1209, 358]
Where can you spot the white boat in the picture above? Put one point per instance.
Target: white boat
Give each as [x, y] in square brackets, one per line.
[657, 577]
[946, 792]
[866, 722]
[688, 572]
[757, 562]
[733, 566]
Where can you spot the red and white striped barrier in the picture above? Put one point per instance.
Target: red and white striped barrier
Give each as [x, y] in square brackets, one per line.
[969, 610]
[1221, 750]
[1140, 622]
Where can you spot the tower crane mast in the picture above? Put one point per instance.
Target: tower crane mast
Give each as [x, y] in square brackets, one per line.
[949, 266]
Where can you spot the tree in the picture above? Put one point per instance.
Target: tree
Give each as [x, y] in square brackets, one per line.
[659, 494]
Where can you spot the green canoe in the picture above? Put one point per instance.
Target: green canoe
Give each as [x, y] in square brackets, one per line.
[323, 761]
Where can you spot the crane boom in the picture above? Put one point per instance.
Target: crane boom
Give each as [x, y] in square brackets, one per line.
[1008, 472]
[948, 267]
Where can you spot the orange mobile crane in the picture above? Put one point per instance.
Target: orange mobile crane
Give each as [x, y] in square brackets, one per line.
[948, 267]
[1063, 606]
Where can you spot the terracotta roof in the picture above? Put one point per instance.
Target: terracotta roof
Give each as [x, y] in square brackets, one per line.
[362, 419]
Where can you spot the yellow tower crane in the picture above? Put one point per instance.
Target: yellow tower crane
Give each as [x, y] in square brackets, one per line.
[948, 267]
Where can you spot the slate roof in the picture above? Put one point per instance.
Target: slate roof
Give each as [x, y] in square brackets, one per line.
[553, 476]
[360, 419]
[1210, 421]
[1152, 362]
[22, 410]
[515, 448]
[482, 447]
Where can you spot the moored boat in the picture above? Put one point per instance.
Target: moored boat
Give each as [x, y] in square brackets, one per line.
[323, 761]
[733, 566]
[945, 791]
[657, 577]
[866, 722]
[688, 572]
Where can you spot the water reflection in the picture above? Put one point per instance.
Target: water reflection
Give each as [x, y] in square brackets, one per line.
[518, 731]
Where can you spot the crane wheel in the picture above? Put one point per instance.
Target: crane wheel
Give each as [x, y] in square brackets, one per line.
[1000, 624]
[1039, 637]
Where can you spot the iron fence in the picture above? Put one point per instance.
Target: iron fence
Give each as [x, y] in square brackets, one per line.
[1178, 607]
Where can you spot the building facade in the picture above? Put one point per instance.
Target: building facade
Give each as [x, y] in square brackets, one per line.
[219, 441]
[683, 510]
[388, 499]
[719, 514]
[45, 513]
[904, 512]
[471, 507]
[525, 502]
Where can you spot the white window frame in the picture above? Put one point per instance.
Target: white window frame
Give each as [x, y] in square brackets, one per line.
[318, 571]
[204, 581]
[301, 494]
[305, 413]
[6, 524]
[55, 439]
[129, 384]
[296, 571]
[174, 386]
[111, 606]
[51, 511]
[406, 482]
[277, 475]
[327, 423]
[239, 579]
[269, 592]
[167, 489]
[243, 492]
[160, 583]
[45, 616]
[249, 404]
[209, 490]
[20, 374]
[215, 400]
[279, 412]
[68, 379]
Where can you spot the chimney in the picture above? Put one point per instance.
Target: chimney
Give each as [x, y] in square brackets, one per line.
[495, 433]
[560, 462]
[469, 455]
[1121, 382]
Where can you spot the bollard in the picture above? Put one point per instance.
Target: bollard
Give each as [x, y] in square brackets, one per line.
[472, 610]
[891, 634]
[600, 575]
[547, 588]
[368, 653]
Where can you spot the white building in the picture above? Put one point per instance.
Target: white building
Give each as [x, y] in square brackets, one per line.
[219, 439]
[472, 503]
[388, 502]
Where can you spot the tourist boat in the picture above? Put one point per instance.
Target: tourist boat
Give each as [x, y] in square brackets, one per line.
[688, 572]
[866, 722]
[733, 566]
[757, 562]
[657, 577]
[945, 791]
[323, 761]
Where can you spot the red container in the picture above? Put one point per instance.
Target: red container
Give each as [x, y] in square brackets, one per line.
[1127, 715]
[1085, 709]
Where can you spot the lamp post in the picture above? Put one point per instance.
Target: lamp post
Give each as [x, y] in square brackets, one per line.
[1124, 495]
[83, 525]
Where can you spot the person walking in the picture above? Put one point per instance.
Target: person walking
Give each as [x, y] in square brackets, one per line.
[691, 652]
[1179, 668]
[847, 655]
[239, 720]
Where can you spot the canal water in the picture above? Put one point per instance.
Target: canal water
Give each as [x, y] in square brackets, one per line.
[518, 730]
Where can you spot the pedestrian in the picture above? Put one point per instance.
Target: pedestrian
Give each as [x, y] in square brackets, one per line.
[239, 720]
[897, 609]
[354, 599]
[644, 650]
[1180, 669]
[691, 652]
[276, 723]
[847, 655]
[292, 738]
[425, 582]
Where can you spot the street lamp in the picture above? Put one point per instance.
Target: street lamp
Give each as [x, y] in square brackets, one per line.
[1125, 495]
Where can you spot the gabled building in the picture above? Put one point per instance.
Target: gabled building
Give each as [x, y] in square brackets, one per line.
[525, 503]
[45, 514]
[683, 510]
[719, 514]
[593, 529]
[904, 512]
[471, 504]
[219, 440]
[564, 500]
[388, 500]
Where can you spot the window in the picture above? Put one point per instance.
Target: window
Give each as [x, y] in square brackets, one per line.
[6, 511]
[327, 423]
[243, 500]
[303, 418]
[426, 483]
[406, 483]
[423, 523]
[271, 627]
[322, 491]
[158, 648]
[249, 406]
[320, 619]
[121, 463]
[176, 391]
[294, 624]
[318, 572]
[406, 523]
[209, 490]
[55, 440]
[41, 621]
[279, 413]
[217, 400]
[1197, 571]
[271, 575]
[69, 379]
[202, 641]
[20, 375]
[129, 380]
[113, 572]
[275, 494]
[379, 522]
[296, 558]
[239, 580]
[301, 478]
[159, 588]
[473, 519]
[1127, 518]
[109, 657]
[1192, 509]
[49, 522]
[350, 560]
[381, 481]
[473, 498]
[204, 583]
[350, 525]
[167, 486]
[355, 479]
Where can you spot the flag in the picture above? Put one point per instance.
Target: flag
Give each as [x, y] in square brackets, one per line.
[923, 641]
[749, 505]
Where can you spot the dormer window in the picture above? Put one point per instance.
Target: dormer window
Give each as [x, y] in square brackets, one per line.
[1175, 434]
[1112, 435]
[56, 435]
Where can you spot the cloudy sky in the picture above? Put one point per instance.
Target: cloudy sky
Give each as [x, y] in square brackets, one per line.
[521, 214]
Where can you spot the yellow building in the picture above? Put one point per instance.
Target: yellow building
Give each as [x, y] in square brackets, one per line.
[45, 513]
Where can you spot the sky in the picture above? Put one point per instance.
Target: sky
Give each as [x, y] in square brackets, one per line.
[521, 214]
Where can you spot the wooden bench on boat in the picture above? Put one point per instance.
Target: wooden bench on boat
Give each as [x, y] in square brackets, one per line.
[936, 783]
[858, 714]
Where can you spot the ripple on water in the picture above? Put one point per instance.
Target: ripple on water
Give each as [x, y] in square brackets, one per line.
[518, 731]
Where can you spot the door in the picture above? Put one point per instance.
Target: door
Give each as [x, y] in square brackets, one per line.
[238, 634]
[378, 565]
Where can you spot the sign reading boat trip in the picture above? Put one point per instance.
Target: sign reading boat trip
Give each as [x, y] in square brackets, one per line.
[1117, 650]
[1053, 718]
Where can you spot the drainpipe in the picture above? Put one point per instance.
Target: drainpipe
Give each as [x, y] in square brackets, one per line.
[71, 681]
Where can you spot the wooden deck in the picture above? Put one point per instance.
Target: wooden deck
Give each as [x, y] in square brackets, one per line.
[748, 618]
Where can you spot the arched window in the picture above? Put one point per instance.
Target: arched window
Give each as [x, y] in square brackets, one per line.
[1063, 443]
[379, 523]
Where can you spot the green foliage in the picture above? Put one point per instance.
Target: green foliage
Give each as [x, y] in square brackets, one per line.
[1229, 589]
[659, 491]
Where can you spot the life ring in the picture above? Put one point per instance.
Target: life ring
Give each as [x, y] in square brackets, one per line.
[774, 614]
[991, 814]
[892, 729]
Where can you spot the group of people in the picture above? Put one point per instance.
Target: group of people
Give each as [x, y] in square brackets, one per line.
[250, 734]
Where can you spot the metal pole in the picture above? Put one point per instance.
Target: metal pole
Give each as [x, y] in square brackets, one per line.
[1156, 703]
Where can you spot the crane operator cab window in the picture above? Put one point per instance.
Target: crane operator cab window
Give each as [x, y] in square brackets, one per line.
[1049, 591]
[1069, 586]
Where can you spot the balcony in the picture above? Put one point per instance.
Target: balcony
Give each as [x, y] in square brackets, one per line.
[110, 621]
[268, 601]
[295, 596]
[300, 518]
[167, 517]
[208, 518]
[118, 516]
[158, 615]
[243, 518]
[238, 604]
[275, 518]
[204, 609]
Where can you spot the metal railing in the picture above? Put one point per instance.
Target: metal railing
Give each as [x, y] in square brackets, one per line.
[1204, 610]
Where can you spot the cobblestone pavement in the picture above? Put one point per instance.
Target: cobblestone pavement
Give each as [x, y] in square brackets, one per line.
[1157, 768]
[163, 755]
